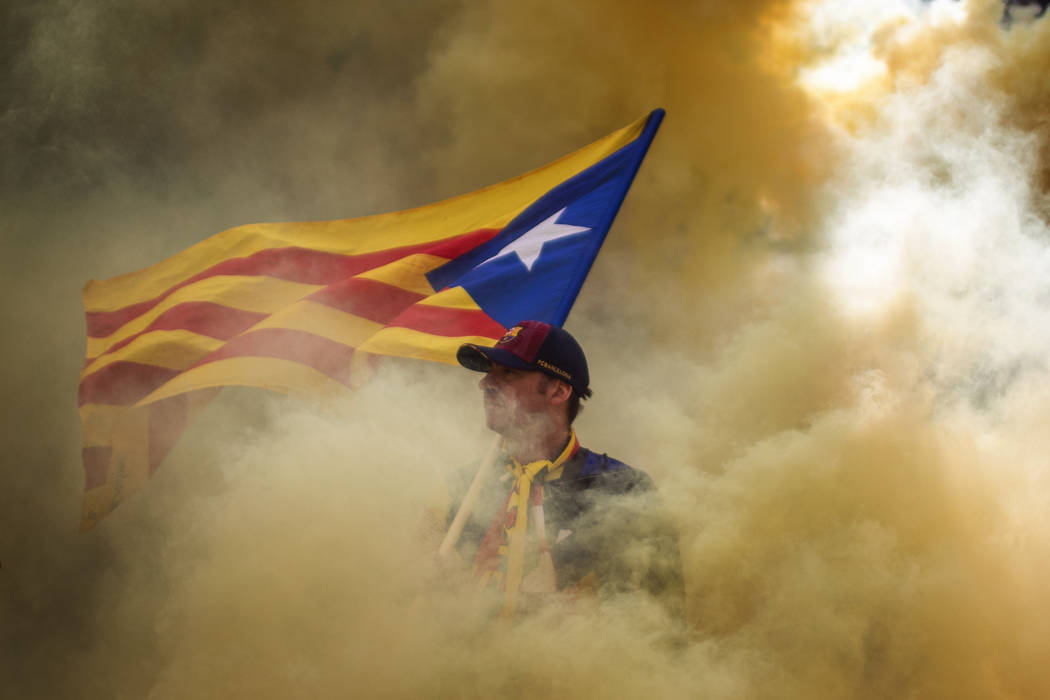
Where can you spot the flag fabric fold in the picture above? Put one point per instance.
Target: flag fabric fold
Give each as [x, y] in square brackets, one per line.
[303, 308]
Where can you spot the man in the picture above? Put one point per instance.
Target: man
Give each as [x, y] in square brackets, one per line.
[555, 516]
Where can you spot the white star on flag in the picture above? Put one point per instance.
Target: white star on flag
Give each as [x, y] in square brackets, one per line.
[529, 244]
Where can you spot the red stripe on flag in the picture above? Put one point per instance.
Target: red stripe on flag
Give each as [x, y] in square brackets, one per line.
[295, 265]
[167, 421]
[96, 461]
[324, 355]
[448, 322]
[458, 245]
[376, 301]
[122, 383]
[201, 317]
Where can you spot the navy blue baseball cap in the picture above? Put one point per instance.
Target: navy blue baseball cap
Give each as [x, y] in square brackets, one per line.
[536, 346]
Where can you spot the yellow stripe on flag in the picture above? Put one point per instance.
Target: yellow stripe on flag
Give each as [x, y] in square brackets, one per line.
[283, 376]
[324, 321]
[98, 421]
[176, 349]
[406, 342]
[128, 468]
[452, 298]
[408, 273]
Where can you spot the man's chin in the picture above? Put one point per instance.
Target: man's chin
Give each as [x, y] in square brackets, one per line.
[508, 424]
[496, 422]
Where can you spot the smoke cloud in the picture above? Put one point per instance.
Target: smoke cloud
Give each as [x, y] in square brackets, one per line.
[820, 323]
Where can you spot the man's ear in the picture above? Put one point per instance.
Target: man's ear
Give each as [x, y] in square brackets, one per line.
[560, 392]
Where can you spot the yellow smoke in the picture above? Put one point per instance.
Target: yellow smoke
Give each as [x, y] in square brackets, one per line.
[820, 322]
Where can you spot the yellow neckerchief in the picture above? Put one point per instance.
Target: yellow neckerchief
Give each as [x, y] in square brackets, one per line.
[518, 503]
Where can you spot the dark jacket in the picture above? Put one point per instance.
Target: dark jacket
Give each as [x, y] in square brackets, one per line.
[604, 524]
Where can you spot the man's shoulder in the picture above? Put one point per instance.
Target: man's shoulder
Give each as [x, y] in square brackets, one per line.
[591, 469]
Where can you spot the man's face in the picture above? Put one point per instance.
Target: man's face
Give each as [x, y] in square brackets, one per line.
[515, 399]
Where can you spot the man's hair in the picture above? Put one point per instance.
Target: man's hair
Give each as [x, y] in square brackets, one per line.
[574, 406]
[574, 398]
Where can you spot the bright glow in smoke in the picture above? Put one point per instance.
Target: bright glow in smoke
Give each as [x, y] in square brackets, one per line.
[845, 72]
[841, 34]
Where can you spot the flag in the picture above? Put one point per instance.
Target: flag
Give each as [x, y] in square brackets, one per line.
[300, 308]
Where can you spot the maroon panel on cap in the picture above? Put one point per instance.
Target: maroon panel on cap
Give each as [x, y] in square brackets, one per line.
[525, 339]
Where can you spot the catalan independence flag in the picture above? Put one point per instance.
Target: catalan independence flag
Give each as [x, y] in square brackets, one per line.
[300, 308]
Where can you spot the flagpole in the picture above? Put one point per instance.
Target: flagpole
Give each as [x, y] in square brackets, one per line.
[470, 499]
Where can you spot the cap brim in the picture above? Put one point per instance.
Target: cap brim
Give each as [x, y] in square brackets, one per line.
[480, 358]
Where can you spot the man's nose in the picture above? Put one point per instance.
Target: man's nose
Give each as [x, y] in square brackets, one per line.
[488, 382]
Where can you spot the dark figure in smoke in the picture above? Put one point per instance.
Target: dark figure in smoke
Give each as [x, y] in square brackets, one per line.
[556, 516]
[1042, 6]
